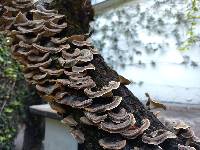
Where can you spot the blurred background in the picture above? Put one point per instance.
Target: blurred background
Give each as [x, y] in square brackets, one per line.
[155, 44]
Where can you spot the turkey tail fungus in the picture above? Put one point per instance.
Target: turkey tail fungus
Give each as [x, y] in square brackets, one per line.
[70, 74]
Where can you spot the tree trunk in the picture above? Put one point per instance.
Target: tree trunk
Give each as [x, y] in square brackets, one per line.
[102, 75]
[111, 94]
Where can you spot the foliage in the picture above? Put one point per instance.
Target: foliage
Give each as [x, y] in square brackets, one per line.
[143, 35]
[138, 32]
[11, 96]
[193, 17]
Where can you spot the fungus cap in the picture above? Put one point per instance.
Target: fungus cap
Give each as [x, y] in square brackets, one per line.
[112, 144]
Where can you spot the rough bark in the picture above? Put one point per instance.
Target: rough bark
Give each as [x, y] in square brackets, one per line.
[102, 75]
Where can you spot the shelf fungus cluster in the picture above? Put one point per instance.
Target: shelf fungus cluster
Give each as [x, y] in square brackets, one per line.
[157, 137]
[182, 147]
[185, 131]
[9, 9]
[60, 68]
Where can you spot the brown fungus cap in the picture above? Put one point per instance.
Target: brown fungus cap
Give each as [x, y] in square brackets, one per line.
[105, 107]
[36, 58]
[183, 147]
[123, 80]
[39, 76]
[22, 4]
[21, 18]
[134, 132]
[70, 121]
[190, 135]
[118, 116]
[67, 55]
[95, 118]
[82, 69]
[40, 64]
[116, 128]
[78, 135]
[30, 23]
[82, 85]
[112, 144]
[60, 94]
[30, 74]
[51, 32]
[29, 40]
[38, 15]
[111, 86]
[94, 50]
[73, 102]
[49, 89]
[43, 9]
[24, 45]
[44, 49]
[153, 104]
[68, 39]
[57, 107]
[26, 30]
[75, 75]
[85, 56]
[81, 43]
[64, 82]
[67, 63]
[52, 71]
[157, 137]
[181, 125]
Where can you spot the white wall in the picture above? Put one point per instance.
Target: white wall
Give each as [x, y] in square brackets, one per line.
[57, 136]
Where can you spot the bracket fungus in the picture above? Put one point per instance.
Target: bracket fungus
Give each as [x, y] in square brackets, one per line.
[59, 66]
[189, 134]
[153, 104]
[116, 127]
[134, 132]
[181, 125]
[36, 58]
[67, 55]
[157, 137]
[44, 49]
[95, 118]
[73, 101]
[78, 135]
[106, 89]
[57, 107]
[52, 71]
[85, 56]
[118, 116]
[182, 147]
[105, 107]
[112, 144]
[68, 39]
[123, 80]
[70, 121]
[49, 89]
[82, 69]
